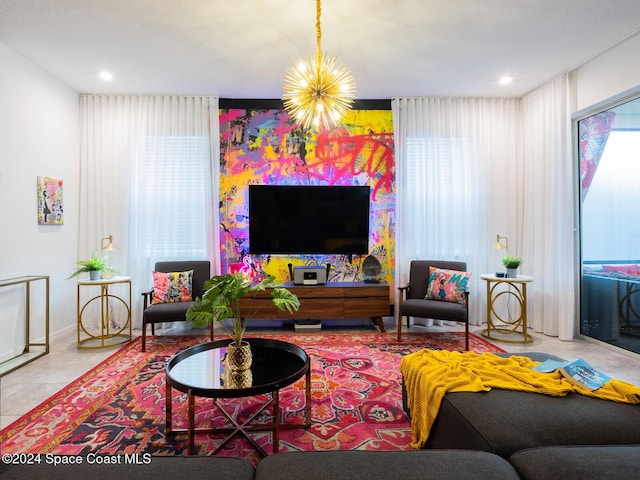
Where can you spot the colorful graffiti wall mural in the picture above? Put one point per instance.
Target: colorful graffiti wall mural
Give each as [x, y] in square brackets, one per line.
[263, 146]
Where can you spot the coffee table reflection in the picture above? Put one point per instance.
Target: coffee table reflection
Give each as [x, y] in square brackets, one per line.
[200, 371]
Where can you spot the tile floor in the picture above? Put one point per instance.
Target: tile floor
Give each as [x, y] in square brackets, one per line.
[27, 387]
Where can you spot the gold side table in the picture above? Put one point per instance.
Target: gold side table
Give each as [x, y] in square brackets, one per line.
[106, 335]
[498, 327]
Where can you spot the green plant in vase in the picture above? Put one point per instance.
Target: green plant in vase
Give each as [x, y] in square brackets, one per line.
[221, 300]
[96, 266]
[511, 264]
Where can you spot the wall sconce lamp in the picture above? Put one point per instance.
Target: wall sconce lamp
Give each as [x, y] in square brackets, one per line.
[106, 243]
[499, 245]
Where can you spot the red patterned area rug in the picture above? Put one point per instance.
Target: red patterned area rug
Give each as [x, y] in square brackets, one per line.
[118, 406]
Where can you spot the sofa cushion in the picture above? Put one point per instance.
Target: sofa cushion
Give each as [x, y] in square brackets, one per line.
[183, 468]
[166, 312]
[575, 461]
[408, 465]
[441, 310]
[504, 421]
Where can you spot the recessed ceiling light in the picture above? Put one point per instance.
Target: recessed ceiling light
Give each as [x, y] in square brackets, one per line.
[506, 80]
[106, 76]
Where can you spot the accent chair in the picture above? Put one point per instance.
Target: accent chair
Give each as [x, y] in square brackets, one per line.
[412, 301]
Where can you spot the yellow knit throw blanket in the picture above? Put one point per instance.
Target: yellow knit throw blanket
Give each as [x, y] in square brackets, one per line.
[430, 374]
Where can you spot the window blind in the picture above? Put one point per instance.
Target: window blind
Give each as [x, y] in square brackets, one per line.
[171, 191]
[438, 195]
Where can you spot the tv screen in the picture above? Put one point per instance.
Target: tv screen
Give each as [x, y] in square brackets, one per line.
[300, 220]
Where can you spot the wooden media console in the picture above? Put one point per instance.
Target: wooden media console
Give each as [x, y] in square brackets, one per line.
[332, 300]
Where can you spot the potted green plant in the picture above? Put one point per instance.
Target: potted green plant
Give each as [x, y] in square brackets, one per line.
[221, 300]
[96, 266]
[511, 264]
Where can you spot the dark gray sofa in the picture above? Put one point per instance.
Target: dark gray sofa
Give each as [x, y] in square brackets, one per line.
[542, 463]
[149, 468]
[586, 462]
[504, 422]
[411, 465]
[343, 465]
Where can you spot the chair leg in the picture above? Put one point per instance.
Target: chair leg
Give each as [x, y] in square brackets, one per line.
[144, 337]
[399, 324]
[466, 336]
[211, 331]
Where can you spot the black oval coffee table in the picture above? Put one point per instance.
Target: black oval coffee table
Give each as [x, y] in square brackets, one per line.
[199, 371]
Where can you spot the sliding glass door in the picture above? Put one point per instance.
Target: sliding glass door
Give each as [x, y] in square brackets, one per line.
[608, 146]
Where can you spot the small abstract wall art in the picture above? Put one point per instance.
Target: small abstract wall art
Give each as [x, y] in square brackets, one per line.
[50, 201]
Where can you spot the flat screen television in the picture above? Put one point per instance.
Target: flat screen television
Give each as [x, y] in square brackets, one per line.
[297, 220]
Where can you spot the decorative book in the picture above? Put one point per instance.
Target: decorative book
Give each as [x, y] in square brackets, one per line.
[577, 371]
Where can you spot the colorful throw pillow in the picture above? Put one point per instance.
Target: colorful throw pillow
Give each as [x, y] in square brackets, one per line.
[632, 269]
[447, 285]
[172, 287]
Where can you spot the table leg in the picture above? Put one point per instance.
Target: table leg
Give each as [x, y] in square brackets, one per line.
[241, 429]
[308, 395]
[168, 414]
[379, 323]
[489, 309]
[525, 332]
[106, 320]
[276, 421]
[129, 314]
[79, 316]
[104, 303]
[191, 434]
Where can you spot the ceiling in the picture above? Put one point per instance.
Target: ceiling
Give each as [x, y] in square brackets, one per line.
[243, 48]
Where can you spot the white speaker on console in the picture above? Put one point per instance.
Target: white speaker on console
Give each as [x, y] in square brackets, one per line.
[309, 275]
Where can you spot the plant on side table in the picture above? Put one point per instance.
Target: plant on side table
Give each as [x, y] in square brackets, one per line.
[511, 264]
[96, 266]
[221, 300]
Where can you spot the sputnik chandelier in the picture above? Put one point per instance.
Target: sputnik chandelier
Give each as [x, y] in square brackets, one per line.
[318, 90]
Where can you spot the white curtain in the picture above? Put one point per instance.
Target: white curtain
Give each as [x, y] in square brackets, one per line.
[468, 169]
[457, 184]
[149, 170]
[547, 228]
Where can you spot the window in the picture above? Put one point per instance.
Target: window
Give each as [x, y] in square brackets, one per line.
[607, 153]
[612, 201]
[173, 178]
[439, 196]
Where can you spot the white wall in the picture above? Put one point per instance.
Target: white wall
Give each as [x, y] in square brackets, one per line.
[608, 74]
[39, 125]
